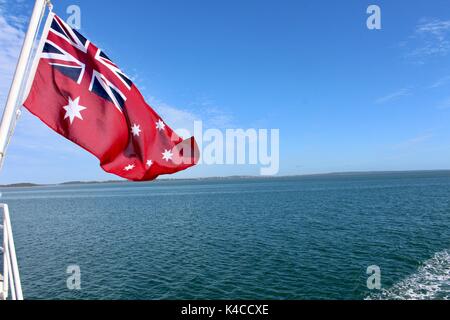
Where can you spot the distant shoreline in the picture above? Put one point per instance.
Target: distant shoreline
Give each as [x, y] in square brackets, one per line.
[330, 174]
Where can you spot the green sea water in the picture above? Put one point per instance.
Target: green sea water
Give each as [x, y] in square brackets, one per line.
[281, 238]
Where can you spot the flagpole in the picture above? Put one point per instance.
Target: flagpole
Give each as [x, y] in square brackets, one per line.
[7, 123]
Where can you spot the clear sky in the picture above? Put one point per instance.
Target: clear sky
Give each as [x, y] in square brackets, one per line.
[345, 98]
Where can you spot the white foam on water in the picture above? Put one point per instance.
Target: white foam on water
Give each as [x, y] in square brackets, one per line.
[430, 282]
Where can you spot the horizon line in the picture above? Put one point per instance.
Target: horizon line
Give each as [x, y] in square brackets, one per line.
[31, 184]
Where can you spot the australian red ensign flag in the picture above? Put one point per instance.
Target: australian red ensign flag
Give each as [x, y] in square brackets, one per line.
[81, 94]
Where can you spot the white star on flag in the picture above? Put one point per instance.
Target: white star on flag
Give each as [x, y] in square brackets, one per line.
[136, 130]
[160, 125]
[73, 110]
[129, 167]
[167, 155]
[149, 163]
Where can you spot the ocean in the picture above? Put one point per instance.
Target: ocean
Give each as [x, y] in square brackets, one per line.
[309, 237]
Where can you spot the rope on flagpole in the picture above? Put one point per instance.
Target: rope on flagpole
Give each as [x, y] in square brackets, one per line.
[49, 4]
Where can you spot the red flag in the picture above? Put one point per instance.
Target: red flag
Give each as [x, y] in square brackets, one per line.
[81, 94]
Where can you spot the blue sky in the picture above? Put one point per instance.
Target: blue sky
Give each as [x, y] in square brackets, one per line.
[345, 98]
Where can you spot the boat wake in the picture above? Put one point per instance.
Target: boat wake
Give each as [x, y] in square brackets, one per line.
[430, 282]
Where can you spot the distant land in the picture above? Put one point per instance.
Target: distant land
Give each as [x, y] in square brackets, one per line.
[331, 174]
[20, 185]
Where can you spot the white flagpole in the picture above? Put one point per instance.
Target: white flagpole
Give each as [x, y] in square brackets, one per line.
[12, 102]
